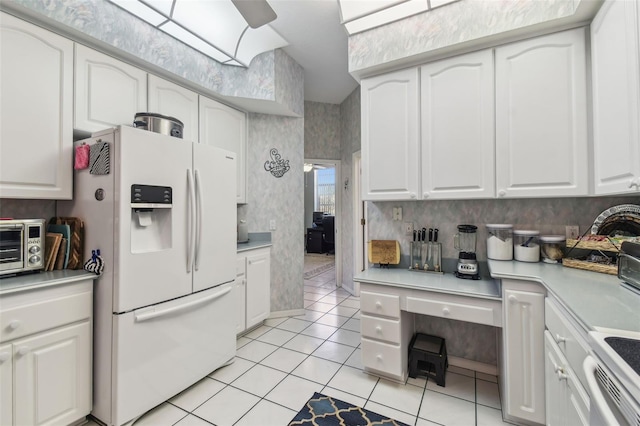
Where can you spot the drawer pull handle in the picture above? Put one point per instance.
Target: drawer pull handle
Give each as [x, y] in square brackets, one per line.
[512, 299]
[379, 330]
[378, 305]
[446, 311]
[560, 339]
[379, 357]
[23, 350]
[561, 375]
[4, 356]
[14, 324]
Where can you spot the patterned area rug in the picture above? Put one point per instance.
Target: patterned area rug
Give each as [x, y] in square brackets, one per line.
[322, 410]
[316, 264]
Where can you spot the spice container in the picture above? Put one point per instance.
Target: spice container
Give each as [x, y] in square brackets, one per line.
[525, 246]
[551, 248]
[500, 242]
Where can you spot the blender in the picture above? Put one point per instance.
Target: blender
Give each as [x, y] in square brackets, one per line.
[465, 242]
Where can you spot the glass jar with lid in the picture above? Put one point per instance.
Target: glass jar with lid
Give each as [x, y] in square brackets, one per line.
[500, 241]
[526, 247]
[552, 248]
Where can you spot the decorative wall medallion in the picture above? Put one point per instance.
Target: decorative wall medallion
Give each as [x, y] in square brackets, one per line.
[277, 166]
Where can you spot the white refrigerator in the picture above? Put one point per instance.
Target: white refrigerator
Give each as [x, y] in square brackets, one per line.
[163, 215]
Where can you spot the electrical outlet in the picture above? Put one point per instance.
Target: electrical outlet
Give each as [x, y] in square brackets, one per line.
[572, 232]
[408, 228]
[272, 225]
[397, 213]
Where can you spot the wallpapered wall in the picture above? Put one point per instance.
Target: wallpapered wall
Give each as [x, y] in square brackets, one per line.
[321, 131]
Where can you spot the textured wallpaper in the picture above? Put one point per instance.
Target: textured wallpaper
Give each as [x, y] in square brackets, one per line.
[27, 209]
[321, 131]
[449, 25]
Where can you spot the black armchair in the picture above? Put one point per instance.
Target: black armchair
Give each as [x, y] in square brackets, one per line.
[329, 233]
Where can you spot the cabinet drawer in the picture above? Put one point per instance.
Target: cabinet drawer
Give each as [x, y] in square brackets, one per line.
[456, 311]
[240, 266]
[568, 338]
[380, 329]
[380, 304]
[27, 319]
[382, 357]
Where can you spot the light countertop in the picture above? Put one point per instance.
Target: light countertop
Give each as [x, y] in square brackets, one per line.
[42, 279]
[256, 240]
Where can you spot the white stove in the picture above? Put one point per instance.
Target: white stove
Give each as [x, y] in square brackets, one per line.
[613, 375]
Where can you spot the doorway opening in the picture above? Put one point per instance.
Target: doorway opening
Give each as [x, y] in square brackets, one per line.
[322, 196]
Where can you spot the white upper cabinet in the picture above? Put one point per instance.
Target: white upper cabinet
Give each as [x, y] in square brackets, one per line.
[541, 117]
[458, 142]
[390, 136]
[226, 128]
[108, 92]
[36, 133]
[616, 97]
[168, 98]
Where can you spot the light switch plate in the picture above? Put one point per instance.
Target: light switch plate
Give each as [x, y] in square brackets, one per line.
[272, 225]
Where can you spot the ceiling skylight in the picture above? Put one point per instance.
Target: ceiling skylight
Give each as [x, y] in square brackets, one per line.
[215, 28]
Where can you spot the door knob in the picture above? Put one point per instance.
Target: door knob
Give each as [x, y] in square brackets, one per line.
[23, 350]
[560, 339]
[502, 193]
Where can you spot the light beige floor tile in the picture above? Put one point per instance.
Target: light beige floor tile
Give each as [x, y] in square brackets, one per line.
[192, 420]
[354, 381]
[314, 297]
[241, 341]
[259, 380]
[266, 413]
[401, 397]
[293, 392]
[423, 422]
[488, 416]
[352, 325]
[346, 337]
[317, 370]
[456, 385]
[350, 302]
[259, 331]
[276, 336]
[460, 370]
[229, 373]
[255, 351]
[308, 303]
[447, 410]
[332, 298]
[163, 414]
[355, 360]
[333, 351]
[356, 315]
[343, 311]
[302, 343]
[344, 396]
[332, 320]
[318, 290]
[284, 360]
[192, 397]
[320, 307]
[227, 406]
[487, 394]
[390, 412]
[310, 315]
[420, 381]
[320, 331]
[273, 322]
[294, 325]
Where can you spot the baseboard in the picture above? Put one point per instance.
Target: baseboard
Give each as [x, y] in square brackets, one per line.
[289, 313]
[473, 365]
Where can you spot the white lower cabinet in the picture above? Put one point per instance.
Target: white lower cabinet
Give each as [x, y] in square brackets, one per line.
[523, 391]
[46, 355]
[252, 288]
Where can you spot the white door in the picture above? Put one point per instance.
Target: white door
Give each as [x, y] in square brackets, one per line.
[226, 128]
[161, 350]
[541, 117]
[53, 376]
[152, 258]
[214, 172]
[6, 385]
[457, 123]
[108, 92]
[616, 97]
[258, 287]
[36, 124]
[390, 136]
[168, 98]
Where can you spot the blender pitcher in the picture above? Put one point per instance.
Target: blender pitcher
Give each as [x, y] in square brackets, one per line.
[465, 239]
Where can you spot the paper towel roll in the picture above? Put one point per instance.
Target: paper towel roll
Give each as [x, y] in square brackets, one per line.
[144, 219]
[243, 233]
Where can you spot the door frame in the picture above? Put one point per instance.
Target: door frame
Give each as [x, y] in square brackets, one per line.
[337, 165]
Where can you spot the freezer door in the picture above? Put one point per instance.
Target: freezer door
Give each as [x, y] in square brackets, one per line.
[152, 247]
[215, 236]
[161, 350]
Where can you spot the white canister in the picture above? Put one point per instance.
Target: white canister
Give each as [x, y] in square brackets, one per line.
[243, 231]
[552, 248]
[500, 241]
[526, 247]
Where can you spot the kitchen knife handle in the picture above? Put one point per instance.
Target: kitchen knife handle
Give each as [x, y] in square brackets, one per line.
[424, 234]
[430, 234]
[435, 235]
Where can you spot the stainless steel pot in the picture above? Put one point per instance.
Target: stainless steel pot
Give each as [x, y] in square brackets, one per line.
[159, 123]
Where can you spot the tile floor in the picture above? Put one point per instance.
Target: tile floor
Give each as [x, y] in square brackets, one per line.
[280, 364]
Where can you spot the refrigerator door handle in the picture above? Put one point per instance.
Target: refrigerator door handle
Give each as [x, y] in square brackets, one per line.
[198, 217]
[144, 316]
[190, 221]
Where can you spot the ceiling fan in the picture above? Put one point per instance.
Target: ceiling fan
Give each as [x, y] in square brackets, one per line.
[256, 12]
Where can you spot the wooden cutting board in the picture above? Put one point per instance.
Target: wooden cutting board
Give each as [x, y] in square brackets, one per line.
[386, 252]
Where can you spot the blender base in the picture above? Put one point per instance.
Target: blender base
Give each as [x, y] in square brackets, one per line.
[467, 276]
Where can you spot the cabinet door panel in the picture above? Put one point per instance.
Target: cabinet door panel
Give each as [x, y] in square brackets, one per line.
[36, 140]
[6, 385]
[541, 117]
[390, 136]
[616, 97]
[108, 92]
[258, 288]
[168, 98]
[457, 116]
[53, 376]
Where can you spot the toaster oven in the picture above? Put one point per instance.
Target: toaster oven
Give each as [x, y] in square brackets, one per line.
[21, 246]
[629, 265]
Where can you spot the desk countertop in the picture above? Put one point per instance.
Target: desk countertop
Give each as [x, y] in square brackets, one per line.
[595, 300]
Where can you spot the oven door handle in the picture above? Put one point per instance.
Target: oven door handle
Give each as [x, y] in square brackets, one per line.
[598, 401]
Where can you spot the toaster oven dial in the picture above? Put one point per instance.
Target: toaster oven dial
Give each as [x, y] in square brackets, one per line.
[34, 260]
[34, 249]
